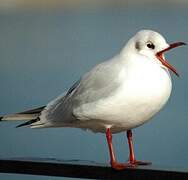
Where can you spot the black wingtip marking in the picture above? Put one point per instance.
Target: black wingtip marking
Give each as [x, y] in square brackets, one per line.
[73, 87]
[28, 123]
[33, 111]
[1, 118]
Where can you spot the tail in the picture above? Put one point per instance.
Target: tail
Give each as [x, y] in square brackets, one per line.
[31, 115]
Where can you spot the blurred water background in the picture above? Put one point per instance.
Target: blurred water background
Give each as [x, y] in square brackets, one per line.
[45, 48]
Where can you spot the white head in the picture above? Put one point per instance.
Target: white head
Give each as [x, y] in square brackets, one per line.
[152, 45]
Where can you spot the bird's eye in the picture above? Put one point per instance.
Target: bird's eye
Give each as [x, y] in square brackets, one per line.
[150, 45]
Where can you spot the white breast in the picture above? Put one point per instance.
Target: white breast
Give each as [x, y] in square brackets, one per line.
[145, 89]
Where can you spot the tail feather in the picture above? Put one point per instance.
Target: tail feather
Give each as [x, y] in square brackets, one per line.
[31, 115]
[14, 117]
[25, 115]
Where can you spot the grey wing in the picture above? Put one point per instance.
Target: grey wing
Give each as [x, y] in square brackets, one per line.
[57, 111]
[94, 86]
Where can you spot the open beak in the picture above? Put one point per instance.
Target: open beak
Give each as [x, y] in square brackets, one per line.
[161, 58]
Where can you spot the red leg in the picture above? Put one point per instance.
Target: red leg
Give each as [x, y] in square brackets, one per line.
[114, 164]
[132, 160]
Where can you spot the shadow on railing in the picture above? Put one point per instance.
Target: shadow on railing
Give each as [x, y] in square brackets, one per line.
[85, 169]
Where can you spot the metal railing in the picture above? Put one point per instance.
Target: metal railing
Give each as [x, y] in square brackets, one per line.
[78, 169]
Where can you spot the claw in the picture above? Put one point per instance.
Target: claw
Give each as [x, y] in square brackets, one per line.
[121, 166]
[139, 163]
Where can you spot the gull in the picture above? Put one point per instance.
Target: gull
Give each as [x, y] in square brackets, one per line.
[116, 95]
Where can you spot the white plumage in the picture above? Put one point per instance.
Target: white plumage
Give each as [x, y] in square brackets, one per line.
[116, 95]
[121, 93]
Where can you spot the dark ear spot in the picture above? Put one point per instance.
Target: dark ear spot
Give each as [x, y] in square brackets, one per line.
[137, 45]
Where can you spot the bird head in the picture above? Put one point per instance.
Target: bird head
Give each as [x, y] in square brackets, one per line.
[153, 45]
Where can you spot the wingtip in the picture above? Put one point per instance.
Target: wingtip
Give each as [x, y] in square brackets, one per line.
[20, 125]
[27, 123]
[1, 118]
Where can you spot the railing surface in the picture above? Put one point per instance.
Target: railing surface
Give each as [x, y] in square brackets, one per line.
[86, 169]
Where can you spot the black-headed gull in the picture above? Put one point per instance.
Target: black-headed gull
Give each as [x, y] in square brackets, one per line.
[117, 95]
